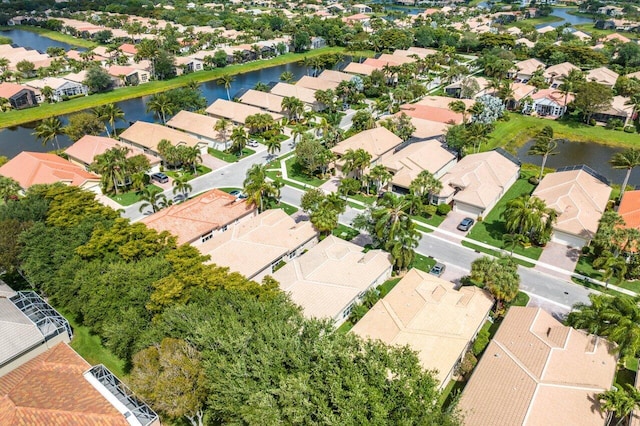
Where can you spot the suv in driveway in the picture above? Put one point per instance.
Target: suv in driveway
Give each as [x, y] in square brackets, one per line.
[438, 269]
[465, 224]
[160, 177]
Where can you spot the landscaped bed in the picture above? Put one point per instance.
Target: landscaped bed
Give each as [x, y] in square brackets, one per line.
[294, 172]
[201, 170]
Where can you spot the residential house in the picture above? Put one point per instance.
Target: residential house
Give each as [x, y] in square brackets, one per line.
[32, 168]
[378, 142]
[603, 75]
[360, 18]
[263, 100]
[635, 75]
[358, 68]
[186, 65]
[420, 52]
[329, 279]
[84, 151]
[545, 29]
[442, 101]
[260, 245]
[202, 128]
[307, 96]
[336, 76]
[555, 74]
[519, 93]
[361, 8]
[432, 317]
[525, 42]
[611, 11]
[235, 111]
[468, 87]
[18, 96]
[407, 163]
[128, 76]
[477, 182]
[128, 49]
[524, 70]
[62, 89]
[427, 129]
[629, 209]
[620, 109]
[536, 371]
[431, 113]
[147, 136]
[549, 102]
[315, 83]
[317, 42]
[25, 334]
[199, 219]
[580, 196]
[616, 37]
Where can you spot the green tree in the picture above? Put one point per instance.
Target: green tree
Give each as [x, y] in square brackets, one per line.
[152, 197]
[48, 130]
[222, 127]
[544, 146]
[25, 68]
[362, 120]
[162, 106]
[571, 82]
[81, 124]
[499, 276]
[621, 401]
[287, 77]
[627, 159]
[515, 240]
[425, 185]
[181, 185]
[591, 97]
[274, 145]
[292, 107]
[109, 113]
[239, 140]
[260, 191]
[98, 80]
[112, 168]
[530, 216]
[355, 161]
[459, 107]
[613, 267]
[226, 81]
[9, 188]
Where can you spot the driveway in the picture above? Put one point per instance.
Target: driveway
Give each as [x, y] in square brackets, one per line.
[559, 256]
[212, 162]
[449, 227]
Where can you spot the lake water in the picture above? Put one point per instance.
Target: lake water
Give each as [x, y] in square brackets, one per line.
[35, 41]
[594, 155]
[562, 12]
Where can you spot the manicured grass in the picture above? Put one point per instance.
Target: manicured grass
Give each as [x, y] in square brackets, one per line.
[53, 35]
[520, 128]
[345, 232]
[229, 157]
[522, 299]
[229, 189]
[131, 197]
[90, 347]
[288, 208]
[201, 170]
[295, 172]
[16, 117]
[491, 229]
[496, 253]
[597, 287]
[536, 21]
[355, 205]
[434, 220]
[423, 263]
[585, 267]
[367, 199]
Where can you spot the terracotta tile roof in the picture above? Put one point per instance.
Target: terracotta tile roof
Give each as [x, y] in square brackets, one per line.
[431, 316]
[358, 68]
[579, 198]
[308, 96]
[629, 209]
[529, 66]
[264, 100]
[236, 111]
[7, 90]
[200, 215]
[87, 147]
[553, 95]
[441, 115]
[30, 168]
[336, 76]
[329, 277]
[198, 124]
[407, 163]
[442, 101]
[315, 83]
[51, 390]
[128, 48]
[149, 135]
[376, 142]
[255, 244]
[427, 129]
[118, 70]
[532, 363]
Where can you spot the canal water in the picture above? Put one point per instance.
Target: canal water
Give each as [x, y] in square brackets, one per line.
[35, 41]
[594, 155]
[563, 13]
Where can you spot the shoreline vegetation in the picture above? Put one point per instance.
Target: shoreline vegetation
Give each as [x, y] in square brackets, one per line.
[18, 117]
[53, 35]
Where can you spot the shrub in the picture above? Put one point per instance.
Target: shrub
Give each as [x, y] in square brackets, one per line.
[534, 180]
[481, 342]
[586, 249]
[630, 129]
[614, 123]
[592, 122]
[443, 209]
[467, 364]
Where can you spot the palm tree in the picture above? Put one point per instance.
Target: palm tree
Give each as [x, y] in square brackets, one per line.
[620, 401]
[324, 218]
[528, 215]
[48, 93]
[9, 188]
[161, 105]
[426, 184]
[570, 83]
[287, 77]
[634, 101]
[460, 108]
[226, 81]
[191, 157]
[261, 87]
[152, 197]
[515, 240]
[293, 107]
[222, 127]
[259, 190]
[48, 130]
[355, 161]
[5, 104]
[239, 138]
[181, 185]
[614, 267]
[111, 166]
[273, 145]
[297, 131]
[380, 175]
[109, 113]
[627, 159]
[545, 146]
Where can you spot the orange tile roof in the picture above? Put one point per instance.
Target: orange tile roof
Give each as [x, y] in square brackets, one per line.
[7, 90]
[31, 168]
[128, 48]
[199, 216]
[430, 113]
[87, 147]
[51, 390]
[629, 209]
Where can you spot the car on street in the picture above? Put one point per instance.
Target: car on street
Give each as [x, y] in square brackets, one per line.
[238, 194]
[438, 269]
[160, 177]
[253, 143]
[465, 224]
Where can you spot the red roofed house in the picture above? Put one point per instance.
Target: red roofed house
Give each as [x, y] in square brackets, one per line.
[195, 221]
[128, 76]
[84, 151]
[128, 49]
[18, 96]
[550, 102]
[629, 209]
[426, 112]
[31, 168]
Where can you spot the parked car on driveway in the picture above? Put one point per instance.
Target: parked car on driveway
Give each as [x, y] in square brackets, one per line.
[438, 269]
[160, 177]
[238, 194]
[253, 143]
[465, 224]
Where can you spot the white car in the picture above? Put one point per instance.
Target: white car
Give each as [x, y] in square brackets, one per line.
[253, 143]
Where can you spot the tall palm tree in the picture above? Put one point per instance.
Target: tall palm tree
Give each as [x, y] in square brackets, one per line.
[380, 176]
[627, 159]
[293, 107]
[545, 146]
[613, 266]
[621, 401]
[48, 130]
[111, 166]
[9, 188]
[460, 108]
[355, 161]
[287, 77]
[109, 113]
[528, 215]
[181, 185]
[570, 83]
[152, 197]
[222, 127]
[239, 138]
[273, 145]
[260, 191]
[161, 105]
[48, 93]
[226, 81]
[426, 184]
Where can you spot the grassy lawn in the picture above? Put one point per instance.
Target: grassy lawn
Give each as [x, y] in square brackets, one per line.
[536, 21]
[16, 117]
[496, 253]
[227, 156]
[131, 197]
[423, 263]
[90, 347]
[229, 189]
[520, 128]
[585, 267]
[491, 229]
[288, 208]
[434, 220]
[597, 287]
[295, 172]
[367, 199]
[201, 170]
[521, 299]
[345, 232]
[53, 35]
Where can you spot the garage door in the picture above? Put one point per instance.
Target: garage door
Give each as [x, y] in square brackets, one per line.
[568, 239]
[467, 209]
